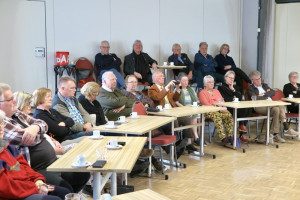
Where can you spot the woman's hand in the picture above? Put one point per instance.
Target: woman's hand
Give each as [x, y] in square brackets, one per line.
[62, 124]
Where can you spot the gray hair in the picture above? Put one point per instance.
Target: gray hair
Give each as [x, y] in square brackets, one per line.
[203, 43]
[65, 79]
[137, 41]
[207, 78]
[254, 73]
[104, 41]
[105, 75]
[2, 116]
[4, 87]
[155, 74]
[175, 45]
[229, 72]
[292, 73]
[181, 75]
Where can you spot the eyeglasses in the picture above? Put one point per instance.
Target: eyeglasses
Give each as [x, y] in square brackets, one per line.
[231, 78]
[105, 47]
[8, 100]
[133, 82]
[257, 79]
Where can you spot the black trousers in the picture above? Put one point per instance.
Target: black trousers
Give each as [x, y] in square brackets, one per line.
[239, 77]
[241, 113]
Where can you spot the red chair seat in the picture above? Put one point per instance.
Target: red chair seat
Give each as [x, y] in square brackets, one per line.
[163, 139]
[292, 115]
[146, 83]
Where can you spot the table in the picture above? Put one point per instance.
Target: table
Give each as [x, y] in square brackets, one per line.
[144, 124]
[251, 104]
[166, 67]
[119, 161]
[146, 194]
[59, 70]
[187, 111]
[294, 100]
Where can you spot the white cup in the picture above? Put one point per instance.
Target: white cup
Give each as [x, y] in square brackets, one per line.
[134, 115]
[72, 196]
[96, 133]
[291, 96]
[236, 99]
[172, 63]
[195, 104]
[110, 123]
[165, 63]
[113, 142]
[122, 118]
[81, 159]
[167, 106]
[159, 107]
[253, 98]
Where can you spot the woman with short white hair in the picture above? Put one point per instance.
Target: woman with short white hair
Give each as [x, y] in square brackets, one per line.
[209, 96]
[292, 88]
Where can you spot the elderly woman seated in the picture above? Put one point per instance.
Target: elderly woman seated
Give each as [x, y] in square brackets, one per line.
[292, 88]
[131, 85]
[230, 91]
[23, 101]
[187, 97]
[209, 96]
[18, 179]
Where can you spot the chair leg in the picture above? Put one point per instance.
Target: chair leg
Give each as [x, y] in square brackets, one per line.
[249, 128]
[257, 127]
[262, 126]
[161, 159]
[175, 152]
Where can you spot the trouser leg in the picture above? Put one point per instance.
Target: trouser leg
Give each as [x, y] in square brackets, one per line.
[215, 116]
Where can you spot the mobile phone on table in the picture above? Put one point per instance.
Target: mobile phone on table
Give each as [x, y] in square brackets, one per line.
[99, 164]
[122, 143]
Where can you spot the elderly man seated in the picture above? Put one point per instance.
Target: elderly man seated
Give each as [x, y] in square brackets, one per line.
[162, 95]
[139, 63]
[67, 105]
[112, 100]
[263, 92]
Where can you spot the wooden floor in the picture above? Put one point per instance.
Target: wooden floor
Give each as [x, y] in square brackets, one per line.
[263, 172]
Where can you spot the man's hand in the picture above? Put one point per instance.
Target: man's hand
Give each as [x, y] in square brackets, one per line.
[117, 110]
[268, 90]
[171, 83]
[29, 134]
[87, 127]
[62, 124]
[154, 66]
[138, 75]
[227, 67]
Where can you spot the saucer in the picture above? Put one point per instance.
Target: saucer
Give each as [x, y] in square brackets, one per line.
[122, 122]
[76, 165]
[195, 106]
[96, 138]
[113, 148]
[235, 101]
[134, 117]
[167, 109]
[111, 127]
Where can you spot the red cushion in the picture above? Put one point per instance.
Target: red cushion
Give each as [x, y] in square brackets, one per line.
[146, 83]
[163, 139]
[292, 115]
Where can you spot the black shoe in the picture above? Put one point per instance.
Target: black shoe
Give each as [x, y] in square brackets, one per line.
[182, 143]
[180, 152]
[88, 189]
[191, 148]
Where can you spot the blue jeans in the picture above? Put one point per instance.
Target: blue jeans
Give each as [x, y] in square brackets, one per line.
[120, 79]
[80, 134]
[198, 78]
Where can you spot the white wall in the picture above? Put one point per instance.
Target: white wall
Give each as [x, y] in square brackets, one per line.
[287, 42]
[249, 36]
[79, 26]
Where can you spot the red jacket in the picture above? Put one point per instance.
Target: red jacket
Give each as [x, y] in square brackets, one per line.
[17, 178]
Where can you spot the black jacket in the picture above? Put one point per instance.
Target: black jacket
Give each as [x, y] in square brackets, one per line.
[129, 63]
[228, 94]
[186, 62]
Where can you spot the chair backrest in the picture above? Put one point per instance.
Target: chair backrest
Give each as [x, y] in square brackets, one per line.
[83, 63]
[139, 108]
[278, 95]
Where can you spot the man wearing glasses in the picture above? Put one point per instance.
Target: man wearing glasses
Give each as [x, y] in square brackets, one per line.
[106, 61]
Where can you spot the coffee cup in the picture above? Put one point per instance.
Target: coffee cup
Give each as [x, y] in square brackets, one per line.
[122, 119]
[253, 98]
[96, 133]
[159, 107]
[72, 196]
[81, 159]
[110, 123]
[113, 142]
[165, 63]
[134, 115]
[236, 99]
[172, 63]
[167, 106]
[195, 104]
[291, 96]
[106, 196]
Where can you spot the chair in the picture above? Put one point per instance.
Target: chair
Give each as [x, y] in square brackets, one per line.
[84, 72]
[160, 140]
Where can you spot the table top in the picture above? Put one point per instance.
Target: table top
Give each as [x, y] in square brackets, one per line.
[139, 126]
[252, 104]
[293, 100]
[120, 161]
[171, 67]
[146, 194]
[187, 110]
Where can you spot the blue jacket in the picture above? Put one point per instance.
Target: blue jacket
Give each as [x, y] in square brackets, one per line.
[203, 64]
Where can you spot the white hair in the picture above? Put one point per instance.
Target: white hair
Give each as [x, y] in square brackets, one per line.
[207, 78]
[105, 75]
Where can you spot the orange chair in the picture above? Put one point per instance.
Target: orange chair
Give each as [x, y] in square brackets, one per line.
[159, 141]
[84, 72]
